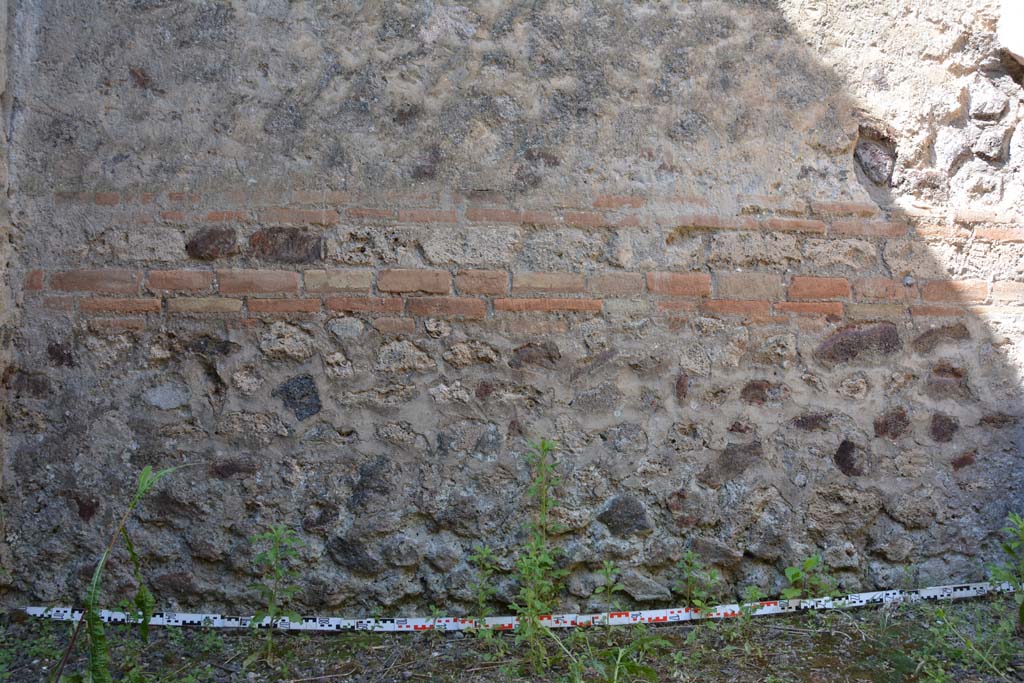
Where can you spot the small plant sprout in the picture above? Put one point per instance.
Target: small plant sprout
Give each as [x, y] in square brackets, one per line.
[486, 564]
[809, 579]
[274, 563]
[696, 583]
[1011, 571]
[609, 584]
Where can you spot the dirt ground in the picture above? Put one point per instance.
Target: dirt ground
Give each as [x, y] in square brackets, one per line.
[895, 643]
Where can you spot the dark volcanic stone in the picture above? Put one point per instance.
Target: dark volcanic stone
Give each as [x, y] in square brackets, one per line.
[730, 464]
[176, 583]
[999, 420]
[876, 158]
[545, 354]
[212, 243]
[229, 468]
[944, 427]
[287, 245]
[353, 555]
[625, 516]
[206, 345]
[892, 424]
[682, 386]
[845, 459]
[965, 460]
[299, 394]
[87, 508]
[812, 422]
[857, 341]
[61, 355]
[930, 340]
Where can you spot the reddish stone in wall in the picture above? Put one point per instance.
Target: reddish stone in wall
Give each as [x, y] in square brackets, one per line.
[286, 245]
[213, 243]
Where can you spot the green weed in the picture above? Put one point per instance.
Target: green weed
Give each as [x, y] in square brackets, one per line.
[97, 647]
[274, 563]
[809, 579]
[697, 585]
[537, 571]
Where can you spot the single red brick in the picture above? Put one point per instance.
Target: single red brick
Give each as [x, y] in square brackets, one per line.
[959, 291]
[331, 197]
[179, 197]
[884, 289]
[447, 307]
[258, 281]
[179, 280]
[365, 304]
[832, 309]
[284, 305]
[937, 312]
[548, 305]
[34, 280]
[414, 280]
[840, 208]
[617, 201]
[395, 325]
[1008, 292]
[231, 198]
[427, 216]
[941, 231]
[861, 228]
[709, 222]
[482, 214]
[794, 225]
[749, 309]
[986, 216]
[370, 212]
[678, 306]
[493, 282]
[299, 216]
[94, 305]
[338, 280]
[228, 217]
[60, 303]
[208, 304]
[870, 312]
[540, 218]
[679, 284]
[616, 284]
[116, 325]
[805, 287]
[104, 281]
[748, 286]
[554, 283]
[107, 198]
[173, 216]
[1015, 234]
[587, 219]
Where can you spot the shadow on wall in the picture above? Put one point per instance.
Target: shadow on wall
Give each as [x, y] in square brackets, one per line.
[351, 280]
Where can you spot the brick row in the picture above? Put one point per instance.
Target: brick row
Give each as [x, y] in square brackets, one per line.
[728, 285]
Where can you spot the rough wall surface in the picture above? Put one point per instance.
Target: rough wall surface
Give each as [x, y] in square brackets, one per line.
[757, 266]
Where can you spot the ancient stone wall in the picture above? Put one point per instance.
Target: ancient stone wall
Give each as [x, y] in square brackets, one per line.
[756, 266]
